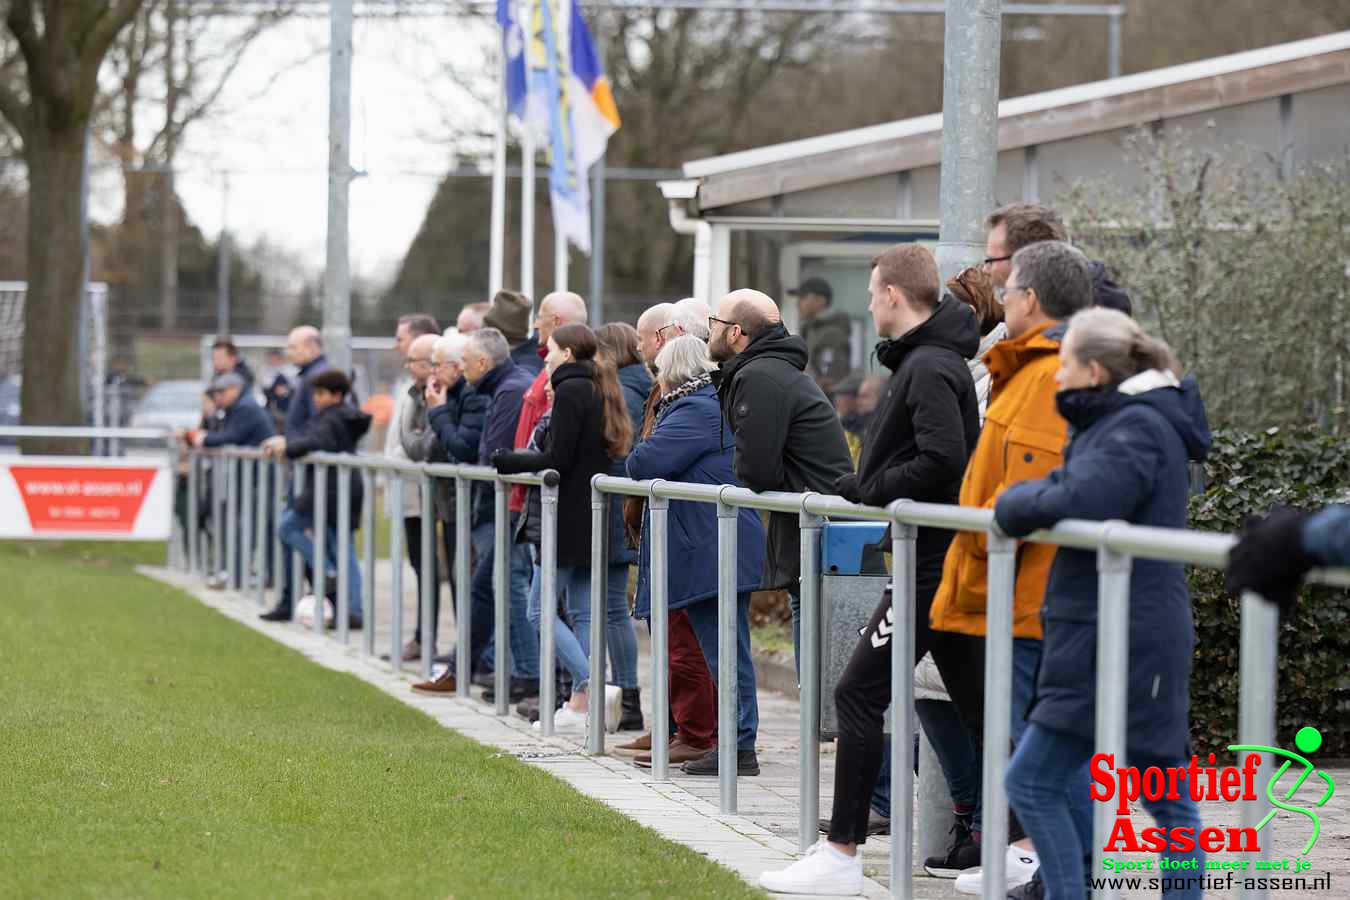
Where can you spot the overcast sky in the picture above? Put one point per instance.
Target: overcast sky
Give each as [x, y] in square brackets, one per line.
[275, 147]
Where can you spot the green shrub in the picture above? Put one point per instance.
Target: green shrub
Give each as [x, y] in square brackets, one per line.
[1246, 474]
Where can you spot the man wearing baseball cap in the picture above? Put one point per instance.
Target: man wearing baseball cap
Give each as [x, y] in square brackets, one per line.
[827, 332]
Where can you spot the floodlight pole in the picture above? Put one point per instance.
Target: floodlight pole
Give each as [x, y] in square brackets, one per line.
[337, 279]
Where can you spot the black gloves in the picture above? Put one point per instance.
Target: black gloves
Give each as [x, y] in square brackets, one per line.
[1269, 558]
[846, 486]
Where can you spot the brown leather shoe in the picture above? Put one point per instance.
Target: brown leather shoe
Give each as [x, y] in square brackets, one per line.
[441, 687]
[679, 752]
[637, 745]
[412, 651]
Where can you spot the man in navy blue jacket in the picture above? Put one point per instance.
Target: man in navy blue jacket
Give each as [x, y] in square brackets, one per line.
[304, 348]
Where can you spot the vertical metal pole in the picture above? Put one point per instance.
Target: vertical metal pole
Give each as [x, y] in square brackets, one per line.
[393, 490]
[217, 516]
[297, 561]
[344, 552]
[599, 603]
[248, 482]
[279, 557]
[337, 299]
[548, 604]
[597, 291]
[223, 263]
[560, 260]
[1113, 669]
[463, 608]
[320, 545]
[1113, 44]
[231, 521]
[368, 554]
[1257, 691]
[260, 546]
[727, 611]
[997, 711]
[194, 476]
[808, 743]
[501, 595]
[497, 247]
[114, 414]
[527, 210]
[430, 584]
[659, 549]
[969, 131]
[904, 556]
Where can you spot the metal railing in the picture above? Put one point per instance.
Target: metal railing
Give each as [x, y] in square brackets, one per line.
[1115, 543]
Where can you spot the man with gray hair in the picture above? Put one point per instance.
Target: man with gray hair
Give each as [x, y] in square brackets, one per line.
[691, 317]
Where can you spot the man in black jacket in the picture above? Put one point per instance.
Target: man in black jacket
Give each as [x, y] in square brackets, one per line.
[787, 434]
[916, 447]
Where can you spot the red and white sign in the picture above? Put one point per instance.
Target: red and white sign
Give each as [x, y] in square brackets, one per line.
[85, 497]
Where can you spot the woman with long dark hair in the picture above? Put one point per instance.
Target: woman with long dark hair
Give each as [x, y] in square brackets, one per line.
[586, 430]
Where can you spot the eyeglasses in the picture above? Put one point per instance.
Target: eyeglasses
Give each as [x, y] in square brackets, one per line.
[990, 260]
[662, 329]
[1007, 292]
[414, 360]
[712, 319]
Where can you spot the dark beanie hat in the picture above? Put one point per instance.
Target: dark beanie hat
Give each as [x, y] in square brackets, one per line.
[509, 313]
[1107, 293]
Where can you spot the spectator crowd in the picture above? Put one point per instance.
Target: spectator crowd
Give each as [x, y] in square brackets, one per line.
[1022, 385]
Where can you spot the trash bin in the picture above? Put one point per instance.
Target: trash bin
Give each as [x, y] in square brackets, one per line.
[852, 579]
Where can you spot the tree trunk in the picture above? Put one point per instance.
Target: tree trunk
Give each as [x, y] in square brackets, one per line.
[56, 276]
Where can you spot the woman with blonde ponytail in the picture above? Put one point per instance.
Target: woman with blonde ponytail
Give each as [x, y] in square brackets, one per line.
[1134, 426]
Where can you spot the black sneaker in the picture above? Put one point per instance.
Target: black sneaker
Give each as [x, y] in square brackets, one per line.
[520, 689]
[963, 854]
[1032, 890]
[276, 614]
[747, 763]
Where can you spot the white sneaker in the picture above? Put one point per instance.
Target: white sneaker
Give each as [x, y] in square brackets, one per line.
[1018, 867]
[823, 870]
[613, 707]
[565, 720]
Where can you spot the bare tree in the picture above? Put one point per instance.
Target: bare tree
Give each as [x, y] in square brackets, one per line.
[47, 95]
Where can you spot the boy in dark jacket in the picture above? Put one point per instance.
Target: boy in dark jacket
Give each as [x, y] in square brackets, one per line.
[335, 428]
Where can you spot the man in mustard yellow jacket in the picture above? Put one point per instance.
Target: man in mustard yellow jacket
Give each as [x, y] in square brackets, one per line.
[1022, 440]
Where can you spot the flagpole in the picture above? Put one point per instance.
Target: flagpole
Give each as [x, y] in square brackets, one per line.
[527, 210]
[497, 252]
[560, 259]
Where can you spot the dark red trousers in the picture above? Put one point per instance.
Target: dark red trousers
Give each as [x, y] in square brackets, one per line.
[693, 695]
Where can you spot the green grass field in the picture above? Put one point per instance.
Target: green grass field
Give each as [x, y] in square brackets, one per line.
[152, 748]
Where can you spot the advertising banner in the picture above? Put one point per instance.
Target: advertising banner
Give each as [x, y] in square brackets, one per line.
[85, 497]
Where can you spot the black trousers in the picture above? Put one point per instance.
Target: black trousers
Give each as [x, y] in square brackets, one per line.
[864, 692]
[412, 540]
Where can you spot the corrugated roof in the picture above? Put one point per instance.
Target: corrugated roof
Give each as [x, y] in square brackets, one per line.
[1035, 118]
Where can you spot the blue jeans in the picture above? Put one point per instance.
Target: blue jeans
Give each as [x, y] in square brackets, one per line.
[1025, 661]
[954, 748]
[524, 639]
[1048, 786]
[573, 643]
[620, 634]
[293, 532]
[703, 619]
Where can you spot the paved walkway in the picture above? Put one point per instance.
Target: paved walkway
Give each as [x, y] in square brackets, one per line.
[764, 834]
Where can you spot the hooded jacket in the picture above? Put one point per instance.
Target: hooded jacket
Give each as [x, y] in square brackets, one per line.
[829, 344]
[336, 429]
[787, 436]
[503, 387]
[1127, 460]
[1022, 439]
[925, 424]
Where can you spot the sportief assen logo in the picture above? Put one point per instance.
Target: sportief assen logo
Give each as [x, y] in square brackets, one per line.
[1226, 783]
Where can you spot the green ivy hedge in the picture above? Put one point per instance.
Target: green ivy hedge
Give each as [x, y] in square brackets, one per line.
[1246, 474]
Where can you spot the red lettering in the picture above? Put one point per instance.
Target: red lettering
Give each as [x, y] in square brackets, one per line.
[1172, 775]
[1101, 775]
[1248, 771]
[1123, 831]
[1213, 793]
[1155, 840]
[1130, 783]
[1183, 839]
[1154, 783]
[1193, 776]
[1229, 779]
[1247, 845]
[1211, 840]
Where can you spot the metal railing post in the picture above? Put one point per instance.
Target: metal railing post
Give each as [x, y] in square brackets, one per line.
[727, 611]
[297, 561]
[808, 743]
[1113, 668]
[279, 558]
[997, 711]
[193, 533]
[501, 595]
[344, 539]
[217, 517]
[320, 580]
[463, 586]
[548, 605]
[368, 554]
[177, 549]
[393, 488]
[248, 482]
[429, 582]
[599, 598]
[263, 468]
[231, 522]
[904, 560]
[659, 579]
[1257, 690]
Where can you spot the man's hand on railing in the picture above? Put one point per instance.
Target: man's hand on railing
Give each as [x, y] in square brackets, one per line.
[846, 486]
[275, 447]
[1269, 558]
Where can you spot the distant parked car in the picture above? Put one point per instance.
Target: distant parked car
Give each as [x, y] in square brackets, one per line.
[170, 404]
[10, 386]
